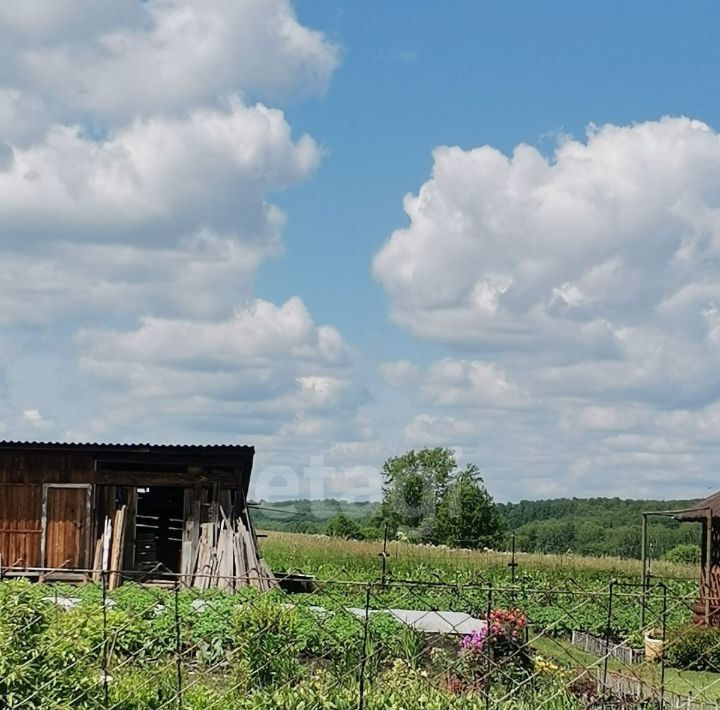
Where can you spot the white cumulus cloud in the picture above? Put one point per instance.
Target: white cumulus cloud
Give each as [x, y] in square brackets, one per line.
[115, 60]
[577, 295]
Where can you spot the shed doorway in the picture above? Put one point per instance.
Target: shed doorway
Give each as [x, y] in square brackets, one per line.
[159, 529]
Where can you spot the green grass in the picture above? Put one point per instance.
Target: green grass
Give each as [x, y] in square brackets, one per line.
[335, 558]
[698, 684]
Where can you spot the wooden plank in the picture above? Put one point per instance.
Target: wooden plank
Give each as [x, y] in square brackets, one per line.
[97, 559]
[107, 537]
[196, 516]
[187, 550]
[240, 561]
[65, 527]
[38, 467]
[130, 530]
[252, 571]
[269, 581]
[118, 544]
[225, 551]
[224, 506]
[204, 565]
[20, 525]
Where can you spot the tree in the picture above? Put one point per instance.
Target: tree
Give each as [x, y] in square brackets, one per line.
[342, 526]
[467, 515]
[426, 495]
[413, 485]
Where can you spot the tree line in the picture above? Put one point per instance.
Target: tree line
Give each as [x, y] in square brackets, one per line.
[428, 498]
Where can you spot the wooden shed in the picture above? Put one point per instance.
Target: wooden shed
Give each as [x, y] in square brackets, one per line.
[707, 513]
[118, 511]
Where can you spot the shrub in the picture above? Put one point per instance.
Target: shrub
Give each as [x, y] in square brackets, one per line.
[48, 656]
[342, 526]
[23, 621]
[684, 554]
[694, 648]
[266, 643]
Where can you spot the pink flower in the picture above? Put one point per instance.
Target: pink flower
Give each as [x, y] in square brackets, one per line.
[475, 640]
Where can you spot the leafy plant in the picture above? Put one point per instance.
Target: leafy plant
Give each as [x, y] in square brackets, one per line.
[695, 648]
[266, 644]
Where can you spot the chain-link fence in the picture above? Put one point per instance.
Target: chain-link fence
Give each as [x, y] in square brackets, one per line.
[346, 645]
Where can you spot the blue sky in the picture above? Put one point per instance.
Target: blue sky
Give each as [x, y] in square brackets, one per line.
[415, 76]
[342, 230]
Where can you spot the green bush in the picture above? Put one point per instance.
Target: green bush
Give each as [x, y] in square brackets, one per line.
[49, 657]
[23, 621]
[684, 554]
[266, 643]
[694, 648]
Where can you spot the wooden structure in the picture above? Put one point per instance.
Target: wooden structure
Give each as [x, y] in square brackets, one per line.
[706, 512]
[118, 511]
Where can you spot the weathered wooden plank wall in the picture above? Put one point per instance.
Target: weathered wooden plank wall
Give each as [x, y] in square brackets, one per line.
[66, 538]
[41, 467]
[20, 519]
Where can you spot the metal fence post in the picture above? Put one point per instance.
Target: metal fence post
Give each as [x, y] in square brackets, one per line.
[608, 630]
[363, 651]
[513, 567]
[384, 556]
[664, 638]
[178, 648]
[488, 662]
[105, 659]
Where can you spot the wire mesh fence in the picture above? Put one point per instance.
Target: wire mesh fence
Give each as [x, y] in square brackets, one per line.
[342, 645]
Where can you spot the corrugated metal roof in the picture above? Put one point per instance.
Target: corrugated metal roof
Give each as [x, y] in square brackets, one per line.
[139, 448]
[700, 510]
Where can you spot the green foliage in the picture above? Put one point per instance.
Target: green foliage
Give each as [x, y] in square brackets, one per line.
[430, 500]
[467, 516]
[312, 516]
[266, 643]
[48, 656]
[694, 648]
[585, 526]
[684, 554]
[596, 526]
[23, 621]
[342, 526]
[413, 485]
[255, 651]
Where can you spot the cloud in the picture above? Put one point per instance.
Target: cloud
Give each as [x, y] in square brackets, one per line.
[159, 56]
[165, 211]
[399, 373]
[254, 335]
[515, 251]
[577, 296]
[34, 419]
[140, 147]
[462, 383]
[606, 252]
[267, 372]
[210, 169]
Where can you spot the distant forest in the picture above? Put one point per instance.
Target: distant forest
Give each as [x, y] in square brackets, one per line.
[585, 526]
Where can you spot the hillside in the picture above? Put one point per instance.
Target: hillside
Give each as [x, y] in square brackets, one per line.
[586, 526]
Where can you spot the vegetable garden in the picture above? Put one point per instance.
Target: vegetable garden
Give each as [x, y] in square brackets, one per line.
[474, 640]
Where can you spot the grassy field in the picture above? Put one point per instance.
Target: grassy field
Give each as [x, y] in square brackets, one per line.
[333, 558]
